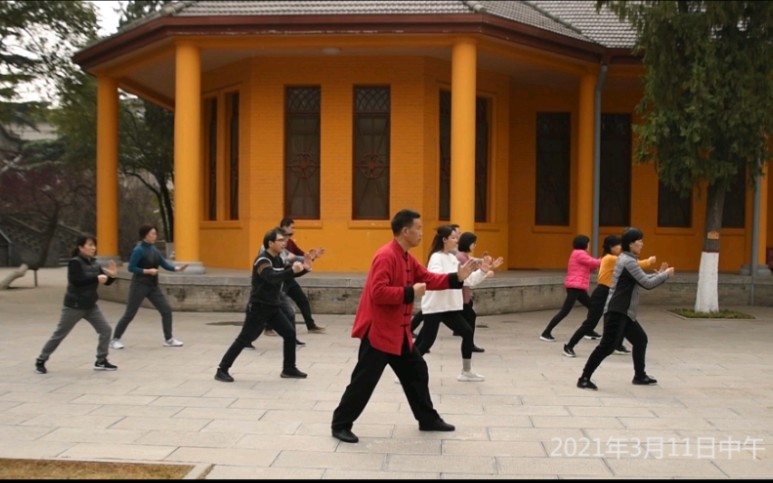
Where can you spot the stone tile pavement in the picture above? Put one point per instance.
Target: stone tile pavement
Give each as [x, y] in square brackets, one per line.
[710, 416]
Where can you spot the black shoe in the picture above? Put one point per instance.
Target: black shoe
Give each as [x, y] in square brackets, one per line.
[644, 380]
[586, 383]
[345, 435]
[568, 351]
[622, 350]
[299, 343]
[293, 373]
[104, 365]
[547, 338]
[436, 425]
[223, 376]
[593, 335]
[478, 349]
[40, 366]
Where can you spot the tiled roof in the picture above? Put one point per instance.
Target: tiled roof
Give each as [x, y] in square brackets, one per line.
[576, 19]
[603, 27]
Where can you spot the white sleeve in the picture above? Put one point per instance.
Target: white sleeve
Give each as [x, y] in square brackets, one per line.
[475, 278]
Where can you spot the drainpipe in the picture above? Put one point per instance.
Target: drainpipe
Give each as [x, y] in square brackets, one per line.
[755, 233]
[597, 159]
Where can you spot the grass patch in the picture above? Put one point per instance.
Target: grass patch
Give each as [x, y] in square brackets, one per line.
[21, 469]
[722, 314]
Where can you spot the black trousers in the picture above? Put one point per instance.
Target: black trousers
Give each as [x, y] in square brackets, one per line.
[410, 368]
[455, 321]
[617, 326]
[597, 301]
[296, 293]
[255, 320]
[572, 296]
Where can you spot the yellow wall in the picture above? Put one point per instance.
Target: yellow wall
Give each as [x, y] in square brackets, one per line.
[414, 85]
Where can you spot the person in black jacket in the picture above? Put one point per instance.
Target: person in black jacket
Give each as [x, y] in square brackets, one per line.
[80, 302]
[269, 273]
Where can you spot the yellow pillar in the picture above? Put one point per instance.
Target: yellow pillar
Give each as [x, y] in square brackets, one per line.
[187, 153]
[463, 92]
[585, 128]
[107, 167]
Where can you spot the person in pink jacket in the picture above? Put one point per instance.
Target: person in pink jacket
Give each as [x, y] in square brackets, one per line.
[577, 283]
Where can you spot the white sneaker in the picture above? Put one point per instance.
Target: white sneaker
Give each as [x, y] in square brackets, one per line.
[116, 344]
[470, 377]
[173, 343]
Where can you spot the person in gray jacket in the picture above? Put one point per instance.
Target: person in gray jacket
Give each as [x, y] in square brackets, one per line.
[621, 308]
[80, 302]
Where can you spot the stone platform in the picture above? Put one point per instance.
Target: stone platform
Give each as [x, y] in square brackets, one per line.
[508, 292]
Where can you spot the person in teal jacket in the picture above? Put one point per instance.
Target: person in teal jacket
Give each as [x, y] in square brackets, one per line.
[143, 264]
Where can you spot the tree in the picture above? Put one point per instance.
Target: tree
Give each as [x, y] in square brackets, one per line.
[708, 92]
[36, 42]
[147, 134]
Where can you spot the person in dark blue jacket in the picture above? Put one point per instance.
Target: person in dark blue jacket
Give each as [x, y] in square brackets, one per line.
[80, 302]
[143, 264]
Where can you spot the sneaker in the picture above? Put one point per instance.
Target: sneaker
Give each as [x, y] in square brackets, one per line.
[104, 365]
[317, 329]
[269, 332]
[547, 338]
[586, 383]
[622, 350]
[568, 351]
[470, 376]
[116, 344]
[40, 366]
[644, 380]
[173, 343]
[293, 373]
[593, 336]
[223, 376]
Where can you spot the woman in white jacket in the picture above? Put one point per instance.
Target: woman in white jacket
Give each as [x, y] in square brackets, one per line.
[446, 305]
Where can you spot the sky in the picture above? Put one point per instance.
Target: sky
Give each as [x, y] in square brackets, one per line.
[108, 17]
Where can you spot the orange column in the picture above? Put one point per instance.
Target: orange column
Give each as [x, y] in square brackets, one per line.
[107, 167]
[463, 90]
[187, 153]
[585, 128]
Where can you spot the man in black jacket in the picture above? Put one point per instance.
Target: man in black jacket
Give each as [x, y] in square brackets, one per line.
[265, 306]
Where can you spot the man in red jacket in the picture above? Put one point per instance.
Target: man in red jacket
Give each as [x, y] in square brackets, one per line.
[383, 323]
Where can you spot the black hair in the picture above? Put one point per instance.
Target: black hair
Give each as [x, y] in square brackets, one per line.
[466, 240]
[581, 242]
[442, 232]
[631, 235]
[145, 229]
[609, 242]
[403, 219]
[286, 221]
[81, 241]
[271, 235]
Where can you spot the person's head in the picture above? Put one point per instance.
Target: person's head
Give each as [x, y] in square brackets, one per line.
[580, 242]
[275, 240]
[467, 241]
[457, 230]
[445, 239]
[632, 240]
[85, 245]
[612, 245]
[289, 226]
[148, 233]
[406, 227]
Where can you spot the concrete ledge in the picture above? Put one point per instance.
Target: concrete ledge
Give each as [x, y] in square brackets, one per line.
[508, 292]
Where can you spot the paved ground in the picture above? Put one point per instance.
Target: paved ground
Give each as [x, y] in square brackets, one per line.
[711, 416]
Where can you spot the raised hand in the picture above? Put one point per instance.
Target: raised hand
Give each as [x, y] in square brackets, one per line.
[467, 268]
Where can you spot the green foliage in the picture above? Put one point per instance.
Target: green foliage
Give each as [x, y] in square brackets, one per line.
[36, 41]
[720, 314]
[708, 89]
